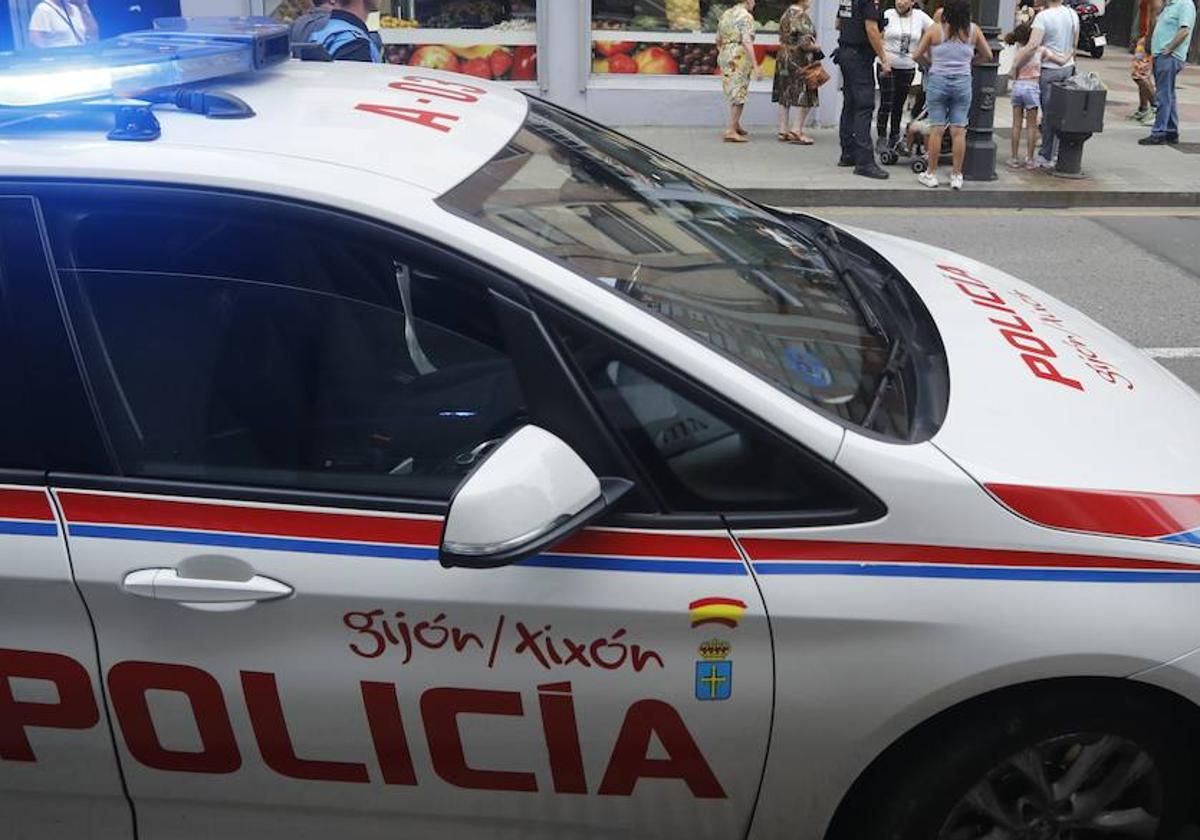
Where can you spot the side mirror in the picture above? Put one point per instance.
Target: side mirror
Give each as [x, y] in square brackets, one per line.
[529, 493]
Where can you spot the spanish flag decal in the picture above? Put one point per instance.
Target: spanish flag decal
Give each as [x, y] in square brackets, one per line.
[726, 611]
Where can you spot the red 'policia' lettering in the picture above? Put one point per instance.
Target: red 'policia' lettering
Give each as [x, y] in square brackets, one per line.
[75, 709]
[130, 684]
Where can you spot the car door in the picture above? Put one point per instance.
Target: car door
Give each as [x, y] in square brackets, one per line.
[58, 771]
[292, 397]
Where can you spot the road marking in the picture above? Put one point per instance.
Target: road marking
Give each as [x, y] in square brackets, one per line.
[1173, 352]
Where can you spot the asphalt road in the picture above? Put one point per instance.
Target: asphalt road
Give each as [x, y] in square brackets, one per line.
[1137, 271]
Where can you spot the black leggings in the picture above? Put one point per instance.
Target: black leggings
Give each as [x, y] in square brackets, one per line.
[893, 90]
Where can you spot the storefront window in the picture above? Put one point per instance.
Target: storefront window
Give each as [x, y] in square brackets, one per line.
[672, 37]
[491, 39]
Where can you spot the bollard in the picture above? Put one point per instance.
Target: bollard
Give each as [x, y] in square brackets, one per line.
[1076, 115]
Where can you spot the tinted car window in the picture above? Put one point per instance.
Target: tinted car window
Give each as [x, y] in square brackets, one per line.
[22, 261]
[282, 348]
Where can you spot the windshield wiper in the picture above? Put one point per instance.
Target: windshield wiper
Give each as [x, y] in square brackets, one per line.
[897, 358]
[829, 236]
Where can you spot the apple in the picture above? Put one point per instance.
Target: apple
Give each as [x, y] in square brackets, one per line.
[657, 61]
[600, 65]
[525, 64]
[609, 48]
[501, 62]
[477, 67]
[435, 57]
[621, 63]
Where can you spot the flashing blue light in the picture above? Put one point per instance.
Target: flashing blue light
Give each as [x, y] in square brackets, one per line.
[180, 52]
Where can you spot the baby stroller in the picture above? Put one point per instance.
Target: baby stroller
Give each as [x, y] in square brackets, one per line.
[916, 136]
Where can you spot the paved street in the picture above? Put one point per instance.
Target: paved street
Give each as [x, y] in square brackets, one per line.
[1135, 271]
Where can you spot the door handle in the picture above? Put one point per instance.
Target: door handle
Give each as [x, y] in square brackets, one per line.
[167, 585]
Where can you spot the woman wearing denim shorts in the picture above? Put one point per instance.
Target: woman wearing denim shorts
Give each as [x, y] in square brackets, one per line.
[950, 50]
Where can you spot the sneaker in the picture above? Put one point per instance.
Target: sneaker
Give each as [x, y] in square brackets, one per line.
[1153, 140]
[956, 180]
[928, 179]
[872, 170]
[1139, 114]
[1015, 163]
[1041, 163]
[1149, 117]
[1172, 139]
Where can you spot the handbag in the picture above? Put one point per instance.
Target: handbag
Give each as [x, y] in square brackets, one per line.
[815, 75]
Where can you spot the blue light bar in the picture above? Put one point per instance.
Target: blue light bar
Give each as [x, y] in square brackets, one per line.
[183, 53]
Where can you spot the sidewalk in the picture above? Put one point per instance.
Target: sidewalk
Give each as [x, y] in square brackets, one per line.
[1120, 172]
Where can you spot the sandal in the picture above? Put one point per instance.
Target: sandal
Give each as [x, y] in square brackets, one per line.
[734, 137]
[804, 139]
[741, 131]
[784, 136]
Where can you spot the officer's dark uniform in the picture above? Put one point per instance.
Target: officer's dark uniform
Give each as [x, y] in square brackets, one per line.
[346, 38]
[857, 59]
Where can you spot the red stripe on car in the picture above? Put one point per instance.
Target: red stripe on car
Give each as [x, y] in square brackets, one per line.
[1119, 513]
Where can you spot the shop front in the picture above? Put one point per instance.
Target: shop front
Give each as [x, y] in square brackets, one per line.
[623, 62]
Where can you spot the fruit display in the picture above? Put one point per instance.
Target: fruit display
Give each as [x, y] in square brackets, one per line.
[393, 22]
[666, 59]
[683, 14]
[485, 61]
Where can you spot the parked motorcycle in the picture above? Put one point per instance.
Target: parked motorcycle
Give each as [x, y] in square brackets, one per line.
[1091, 35]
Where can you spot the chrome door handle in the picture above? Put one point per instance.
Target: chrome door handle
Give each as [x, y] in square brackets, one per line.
[167, 585]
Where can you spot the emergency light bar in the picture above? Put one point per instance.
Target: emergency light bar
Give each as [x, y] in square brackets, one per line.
[181, 51]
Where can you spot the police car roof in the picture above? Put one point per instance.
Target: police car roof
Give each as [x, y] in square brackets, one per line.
[423, 128]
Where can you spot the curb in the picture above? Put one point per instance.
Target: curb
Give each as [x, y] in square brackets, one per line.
[968, 198]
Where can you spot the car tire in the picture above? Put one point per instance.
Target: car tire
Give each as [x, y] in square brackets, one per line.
[929, 789]
[1097, 52]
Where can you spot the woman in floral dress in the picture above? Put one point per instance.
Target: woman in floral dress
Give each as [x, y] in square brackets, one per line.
[735, 42]
[797, 49]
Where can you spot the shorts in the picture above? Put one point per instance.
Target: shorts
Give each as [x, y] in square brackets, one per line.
[1141, 69]
[948, 99]
[1026, 94]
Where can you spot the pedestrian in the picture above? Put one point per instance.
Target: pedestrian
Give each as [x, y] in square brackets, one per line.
[62, 23]
[1026, 96]
[859, 43]
[1141, 70]
[735, 57]
[798, 48]
[950, 48]
[346, 37]
[305, 25]
[1057, 28]
[903, 27]
[1169, 44]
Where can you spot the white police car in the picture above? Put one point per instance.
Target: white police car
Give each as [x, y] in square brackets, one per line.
[748, 526]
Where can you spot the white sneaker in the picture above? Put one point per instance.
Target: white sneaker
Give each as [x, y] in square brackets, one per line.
[956, 180]
[928, 179]
[1040, 162]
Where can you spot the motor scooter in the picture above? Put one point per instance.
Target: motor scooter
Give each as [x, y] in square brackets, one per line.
[1092, 39]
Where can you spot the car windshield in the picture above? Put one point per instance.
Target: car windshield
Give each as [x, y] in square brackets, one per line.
[708, 262]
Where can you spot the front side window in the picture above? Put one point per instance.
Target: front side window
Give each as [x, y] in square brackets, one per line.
[728, 273]
[237, 343]
[701, 456]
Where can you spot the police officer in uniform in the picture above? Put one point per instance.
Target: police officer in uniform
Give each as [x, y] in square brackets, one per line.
[859, 42]
[346, 37]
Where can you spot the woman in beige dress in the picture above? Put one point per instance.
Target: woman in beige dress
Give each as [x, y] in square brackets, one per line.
[735, 57]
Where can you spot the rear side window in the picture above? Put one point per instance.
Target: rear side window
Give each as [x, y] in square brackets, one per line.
[239, 342]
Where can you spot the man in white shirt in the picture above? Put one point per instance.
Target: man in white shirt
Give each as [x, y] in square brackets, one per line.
[62, 23]
[1056, 27]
